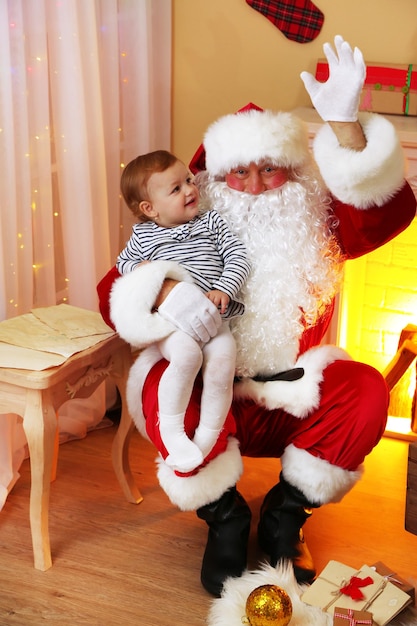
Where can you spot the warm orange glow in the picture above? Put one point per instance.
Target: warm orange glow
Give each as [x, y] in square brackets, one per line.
[399, 428]
[378, 300]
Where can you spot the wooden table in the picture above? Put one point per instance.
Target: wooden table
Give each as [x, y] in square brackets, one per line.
[37, 395]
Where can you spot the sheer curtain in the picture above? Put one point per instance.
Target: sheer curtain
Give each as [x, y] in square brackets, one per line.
[84, 87]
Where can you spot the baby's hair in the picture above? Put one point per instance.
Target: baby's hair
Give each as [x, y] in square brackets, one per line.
[135, 177]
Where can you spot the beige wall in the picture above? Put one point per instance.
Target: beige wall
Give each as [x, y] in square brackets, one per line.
[226, 54]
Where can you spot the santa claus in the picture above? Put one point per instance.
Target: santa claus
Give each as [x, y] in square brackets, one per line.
[309, 404]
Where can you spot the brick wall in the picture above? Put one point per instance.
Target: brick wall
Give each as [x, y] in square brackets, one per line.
[390, 296]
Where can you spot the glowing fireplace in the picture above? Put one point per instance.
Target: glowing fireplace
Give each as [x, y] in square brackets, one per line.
[378, 300]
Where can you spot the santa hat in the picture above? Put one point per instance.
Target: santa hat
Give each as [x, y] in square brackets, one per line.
[253, 135]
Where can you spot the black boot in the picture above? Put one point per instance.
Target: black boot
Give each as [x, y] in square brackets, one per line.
[228, 520]
[283, 513]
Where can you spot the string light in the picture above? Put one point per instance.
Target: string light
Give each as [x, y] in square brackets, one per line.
[43, 134]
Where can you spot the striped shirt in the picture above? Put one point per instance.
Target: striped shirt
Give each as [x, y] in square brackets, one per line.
[205, 246]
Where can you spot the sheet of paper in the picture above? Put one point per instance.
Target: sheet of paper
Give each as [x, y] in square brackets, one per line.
[26, 359]
[72, 321]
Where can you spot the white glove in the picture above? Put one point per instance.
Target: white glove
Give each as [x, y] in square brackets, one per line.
[337, 100]
[191, 311]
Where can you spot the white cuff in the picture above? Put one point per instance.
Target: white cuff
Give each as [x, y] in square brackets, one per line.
[320, 481]
[362, 178]
[132, 299]
[191, 492]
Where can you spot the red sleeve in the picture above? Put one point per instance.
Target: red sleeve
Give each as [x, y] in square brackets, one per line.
[103, 290]
[362, 230]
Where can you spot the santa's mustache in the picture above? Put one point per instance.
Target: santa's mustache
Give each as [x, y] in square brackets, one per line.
[220, 194]
[301, 205]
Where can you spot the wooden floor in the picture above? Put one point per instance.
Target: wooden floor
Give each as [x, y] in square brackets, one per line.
[120, 564]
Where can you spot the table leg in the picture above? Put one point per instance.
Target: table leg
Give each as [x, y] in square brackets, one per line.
[120, 447]
[120, 457]
[39, 423]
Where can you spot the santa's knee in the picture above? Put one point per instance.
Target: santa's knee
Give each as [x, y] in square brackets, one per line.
[361, 391]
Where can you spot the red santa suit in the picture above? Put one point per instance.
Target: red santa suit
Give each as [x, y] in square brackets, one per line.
[323, 424]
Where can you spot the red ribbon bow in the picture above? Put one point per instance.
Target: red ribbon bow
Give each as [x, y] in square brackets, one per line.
[351, 617]
[352, 589]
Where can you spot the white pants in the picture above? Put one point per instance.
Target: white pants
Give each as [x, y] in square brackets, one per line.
[186, 357]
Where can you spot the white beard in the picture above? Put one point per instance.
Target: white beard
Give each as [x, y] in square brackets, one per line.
[296, 268]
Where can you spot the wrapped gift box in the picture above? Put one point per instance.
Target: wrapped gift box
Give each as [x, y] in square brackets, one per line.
[411, 498]
[348, 617]
[378, 596]
[396, 580]
[389, 88]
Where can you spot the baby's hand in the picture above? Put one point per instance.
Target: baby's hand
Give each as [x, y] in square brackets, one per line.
[219, 298]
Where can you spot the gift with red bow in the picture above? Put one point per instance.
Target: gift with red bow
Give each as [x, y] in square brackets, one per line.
[344, 587]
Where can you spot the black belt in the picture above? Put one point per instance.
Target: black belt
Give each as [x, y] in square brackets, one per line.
[293, 374]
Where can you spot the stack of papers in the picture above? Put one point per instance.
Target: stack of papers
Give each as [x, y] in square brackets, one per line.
[47, 337]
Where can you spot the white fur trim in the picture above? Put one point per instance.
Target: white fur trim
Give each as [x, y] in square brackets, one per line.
[133, 297]
[366, 178]
[137, 376]
[253, 136]
[229, 609]
[191, 492]
[320, 481]
[298, 397]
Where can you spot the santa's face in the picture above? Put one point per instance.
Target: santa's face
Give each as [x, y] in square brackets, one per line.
[256, 178]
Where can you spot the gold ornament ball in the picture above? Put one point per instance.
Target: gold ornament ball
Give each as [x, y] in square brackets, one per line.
[268, 605]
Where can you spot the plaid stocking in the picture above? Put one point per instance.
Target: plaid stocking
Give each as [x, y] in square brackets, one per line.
[298, 20]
